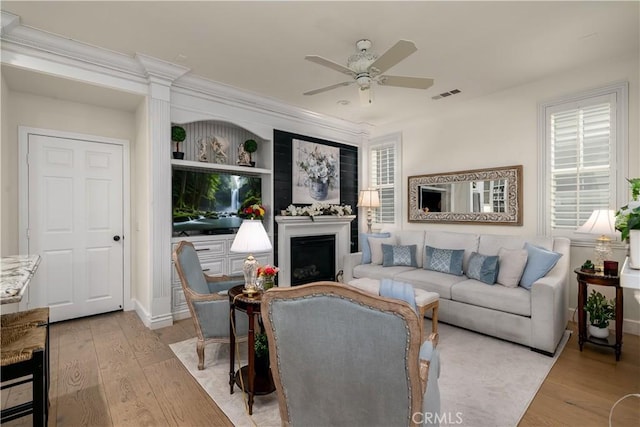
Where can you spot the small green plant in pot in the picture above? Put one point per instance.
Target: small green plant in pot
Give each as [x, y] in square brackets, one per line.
[600, 311]
[588, 266]
[178, 134]
[251, 146]
[261, 347]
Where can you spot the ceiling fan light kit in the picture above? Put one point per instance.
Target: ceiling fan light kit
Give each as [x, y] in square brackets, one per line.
[365, 67]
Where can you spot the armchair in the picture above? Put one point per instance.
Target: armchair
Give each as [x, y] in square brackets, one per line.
[340, 356]
[207, 299]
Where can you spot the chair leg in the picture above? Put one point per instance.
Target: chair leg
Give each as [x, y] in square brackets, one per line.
[200, 351]
[39, 390]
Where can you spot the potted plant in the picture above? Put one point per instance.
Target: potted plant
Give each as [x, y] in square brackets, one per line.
[261, 347]
[250, 146]
[628, 223]
[600, 311]
[588, 267]
[178, 134]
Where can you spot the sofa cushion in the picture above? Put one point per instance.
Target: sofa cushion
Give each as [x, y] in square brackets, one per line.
[490, 244]
[412, 237]
[376, 247]
[512, 263]
[398, 255]
[509, 300]
[443, 260]
[364, 245]
[375, 271]
[449, 240]
[431, 281]
[483, 268]
[539, 262]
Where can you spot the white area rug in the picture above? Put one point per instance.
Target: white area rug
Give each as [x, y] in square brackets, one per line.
[483, 381]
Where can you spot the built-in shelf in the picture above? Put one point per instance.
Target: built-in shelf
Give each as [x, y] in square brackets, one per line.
[243, 170]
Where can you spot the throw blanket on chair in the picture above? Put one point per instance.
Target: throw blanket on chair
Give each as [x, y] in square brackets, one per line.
[399, 290]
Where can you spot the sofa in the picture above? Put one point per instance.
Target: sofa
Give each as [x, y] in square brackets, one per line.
[532, 314]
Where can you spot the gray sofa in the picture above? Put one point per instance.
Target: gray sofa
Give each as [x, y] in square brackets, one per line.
[536, 318]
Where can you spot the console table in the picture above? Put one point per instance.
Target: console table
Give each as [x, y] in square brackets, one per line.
[254, 383]
[599, 279]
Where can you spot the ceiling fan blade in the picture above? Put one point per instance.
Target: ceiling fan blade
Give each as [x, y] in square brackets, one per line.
[324, 89]
[410, 82]
[327, 63]
[395, 54]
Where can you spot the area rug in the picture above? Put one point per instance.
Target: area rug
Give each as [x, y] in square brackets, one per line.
[483, 381]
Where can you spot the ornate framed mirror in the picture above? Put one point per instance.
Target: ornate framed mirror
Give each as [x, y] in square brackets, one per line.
[487, 196]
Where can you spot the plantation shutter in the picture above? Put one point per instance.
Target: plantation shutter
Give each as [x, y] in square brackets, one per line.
[582, 154]
[383, 164]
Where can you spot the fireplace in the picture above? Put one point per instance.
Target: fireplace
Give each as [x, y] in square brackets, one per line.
[313, 258]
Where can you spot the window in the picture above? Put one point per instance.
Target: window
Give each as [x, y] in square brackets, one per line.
[583, 142]
[384, 154]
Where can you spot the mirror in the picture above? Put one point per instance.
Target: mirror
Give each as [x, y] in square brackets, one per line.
[489, 196]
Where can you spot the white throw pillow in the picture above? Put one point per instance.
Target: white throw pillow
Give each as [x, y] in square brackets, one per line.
[512, 263]
[375, 243]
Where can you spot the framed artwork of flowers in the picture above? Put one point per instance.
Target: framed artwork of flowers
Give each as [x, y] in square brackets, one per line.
[315, 172]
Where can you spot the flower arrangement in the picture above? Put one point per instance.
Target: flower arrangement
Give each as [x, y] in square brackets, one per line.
[320, 167]
[268, 271]
[318, 209]
[251, 209]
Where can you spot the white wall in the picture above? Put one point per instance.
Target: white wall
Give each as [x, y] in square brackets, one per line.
[501, 130]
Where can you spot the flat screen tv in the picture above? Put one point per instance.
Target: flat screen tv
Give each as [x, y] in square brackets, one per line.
[208, 202]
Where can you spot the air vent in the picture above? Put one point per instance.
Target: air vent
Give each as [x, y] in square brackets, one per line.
[445, 94]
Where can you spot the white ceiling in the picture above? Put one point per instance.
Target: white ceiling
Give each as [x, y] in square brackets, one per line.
[476, 47]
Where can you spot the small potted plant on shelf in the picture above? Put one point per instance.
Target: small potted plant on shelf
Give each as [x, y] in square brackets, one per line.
[251, 146]
[600, 311]
[178, 134]
[628, 223]
[588, 267]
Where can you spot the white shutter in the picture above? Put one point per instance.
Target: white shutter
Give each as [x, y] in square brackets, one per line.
[582, 178]
[383, 171]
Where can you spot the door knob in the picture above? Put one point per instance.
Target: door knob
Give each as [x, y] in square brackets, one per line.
[116, 238]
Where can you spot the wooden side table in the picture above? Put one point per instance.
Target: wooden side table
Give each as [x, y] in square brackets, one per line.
[255, 384]
[599, 279]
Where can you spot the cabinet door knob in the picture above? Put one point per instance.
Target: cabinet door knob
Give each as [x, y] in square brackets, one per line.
[116, 238]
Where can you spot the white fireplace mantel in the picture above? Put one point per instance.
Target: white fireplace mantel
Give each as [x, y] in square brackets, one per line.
[300, 226]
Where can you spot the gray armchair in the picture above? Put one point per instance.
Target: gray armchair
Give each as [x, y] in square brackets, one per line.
[340, 356]
[207, 299]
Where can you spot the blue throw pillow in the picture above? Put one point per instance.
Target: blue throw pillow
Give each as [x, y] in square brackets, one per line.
[399, 290]
[483, 268]
[399, 255]
[443, 260]
[364, 245]
[539, 262]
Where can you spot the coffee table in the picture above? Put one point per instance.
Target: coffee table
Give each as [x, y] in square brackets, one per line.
[255, 383]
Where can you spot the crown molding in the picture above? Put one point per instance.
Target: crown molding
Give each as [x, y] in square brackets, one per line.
[158, 68]
[8, 22]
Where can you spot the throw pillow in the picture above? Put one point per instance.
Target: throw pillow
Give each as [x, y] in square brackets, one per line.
[364, 245]
[483, 268]
[443, 260]
[376, 247]
[512, 262]
[399, 255]
[539, 262]
[399, 290]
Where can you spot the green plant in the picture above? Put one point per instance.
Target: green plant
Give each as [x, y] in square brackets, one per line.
[178, 134]
[250, 146]
[627, 220]
[600, 309]
[635, 188]
[261, 345]
[588, 265]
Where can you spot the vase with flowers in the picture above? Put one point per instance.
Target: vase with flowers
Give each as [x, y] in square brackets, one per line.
[628, 223]
[251, 208]
[268, 275]
[322, 173]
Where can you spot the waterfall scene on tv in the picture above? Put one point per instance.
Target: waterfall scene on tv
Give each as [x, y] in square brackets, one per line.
[208, 202]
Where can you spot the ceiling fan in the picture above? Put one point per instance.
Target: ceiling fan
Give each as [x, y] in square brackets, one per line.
[366, 67]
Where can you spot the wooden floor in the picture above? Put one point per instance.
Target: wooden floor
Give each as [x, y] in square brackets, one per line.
[110, 370]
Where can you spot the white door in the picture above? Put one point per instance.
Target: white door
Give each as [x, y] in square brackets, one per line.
[75, 223]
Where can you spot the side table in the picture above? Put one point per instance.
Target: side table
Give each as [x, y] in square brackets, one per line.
[599, 279]
[254, 384]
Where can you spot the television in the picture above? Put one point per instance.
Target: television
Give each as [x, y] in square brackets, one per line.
[208, 202]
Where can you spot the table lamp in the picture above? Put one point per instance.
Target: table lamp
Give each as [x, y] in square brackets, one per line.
[601, 223]
[251, 238]
[369, 199]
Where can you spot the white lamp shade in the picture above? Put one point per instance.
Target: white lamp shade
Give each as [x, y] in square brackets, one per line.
[369, 199]
[251, 238]
[601, 222]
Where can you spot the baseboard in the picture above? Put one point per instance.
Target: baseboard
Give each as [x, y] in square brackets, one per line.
[153, 322]
[182, 314]
[629, 326]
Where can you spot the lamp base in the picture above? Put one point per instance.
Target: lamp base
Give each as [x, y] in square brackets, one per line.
[250, 292]
[602, 251]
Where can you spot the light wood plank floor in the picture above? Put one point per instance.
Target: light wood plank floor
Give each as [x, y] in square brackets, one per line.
[110, 370]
